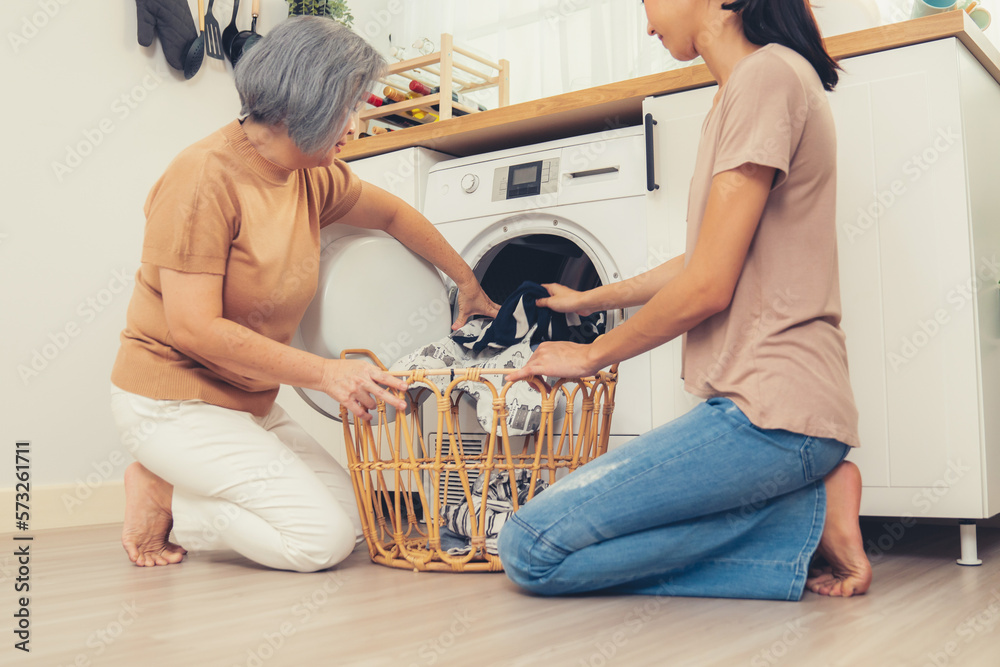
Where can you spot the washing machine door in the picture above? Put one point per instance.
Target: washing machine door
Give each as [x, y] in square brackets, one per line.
[373, 294]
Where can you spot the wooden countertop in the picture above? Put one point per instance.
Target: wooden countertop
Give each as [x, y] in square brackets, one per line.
[620, 104]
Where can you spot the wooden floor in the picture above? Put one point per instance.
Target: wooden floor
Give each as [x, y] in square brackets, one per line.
[90, 606]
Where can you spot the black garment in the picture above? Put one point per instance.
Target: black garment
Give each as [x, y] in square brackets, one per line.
[519, 313]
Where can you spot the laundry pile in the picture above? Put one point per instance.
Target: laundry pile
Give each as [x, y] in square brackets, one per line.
[506, 341]
[520, 318]
[457, 524]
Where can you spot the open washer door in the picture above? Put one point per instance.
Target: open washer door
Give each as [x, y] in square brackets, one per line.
[373, 294]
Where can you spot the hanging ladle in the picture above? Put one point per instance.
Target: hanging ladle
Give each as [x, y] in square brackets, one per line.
[229, 34]
[246, 38]
[195, 53]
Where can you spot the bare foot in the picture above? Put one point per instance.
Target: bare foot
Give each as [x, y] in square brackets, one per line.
[849, 572]
[148, 519]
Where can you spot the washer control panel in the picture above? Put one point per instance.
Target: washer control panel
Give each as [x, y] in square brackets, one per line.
[526, 179]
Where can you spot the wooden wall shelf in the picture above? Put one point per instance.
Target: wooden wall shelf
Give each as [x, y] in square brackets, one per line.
[620, 104]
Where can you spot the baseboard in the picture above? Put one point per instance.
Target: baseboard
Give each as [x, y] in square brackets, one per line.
[69, 505]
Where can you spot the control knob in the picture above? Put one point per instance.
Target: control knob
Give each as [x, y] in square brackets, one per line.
[470, 182]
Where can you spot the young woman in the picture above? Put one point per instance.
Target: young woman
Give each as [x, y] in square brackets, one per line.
[734, 498]
[230, 262]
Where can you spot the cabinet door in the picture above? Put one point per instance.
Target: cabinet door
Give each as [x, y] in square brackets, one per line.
[679, 118]
[980, 105]
[402, 172]
[860, 270]
[905, 268]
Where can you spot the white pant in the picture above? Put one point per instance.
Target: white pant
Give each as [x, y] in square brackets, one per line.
[260, 486]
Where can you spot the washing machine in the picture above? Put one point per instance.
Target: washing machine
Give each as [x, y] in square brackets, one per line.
[571, 211]
[366, 276]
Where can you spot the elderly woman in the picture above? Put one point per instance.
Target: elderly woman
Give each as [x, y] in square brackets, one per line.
[229, 264]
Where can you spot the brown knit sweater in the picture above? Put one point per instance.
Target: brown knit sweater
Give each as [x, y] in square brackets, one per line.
[222, 208]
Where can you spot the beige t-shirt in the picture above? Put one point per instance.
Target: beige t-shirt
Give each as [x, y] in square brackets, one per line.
[777, 351]
[223, 208]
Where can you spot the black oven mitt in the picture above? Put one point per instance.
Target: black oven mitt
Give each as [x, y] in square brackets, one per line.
[172, 21]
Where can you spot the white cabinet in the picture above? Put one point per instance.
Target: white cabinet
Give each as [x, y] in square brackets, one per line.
[678, 119]
[919, 246]
[919, 240]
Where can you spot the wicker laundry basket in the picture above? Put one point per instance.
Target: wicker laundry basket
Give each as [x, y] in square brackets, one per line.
[404, 479]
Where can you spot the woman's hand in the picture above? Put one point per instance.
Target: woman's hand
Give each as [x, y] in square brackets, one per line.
[357, 385]
[472, 300]
[558, 359]
[563, 299]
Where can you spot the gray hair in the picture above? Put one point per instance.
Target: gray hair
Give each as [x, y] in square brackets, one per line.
[309, 73]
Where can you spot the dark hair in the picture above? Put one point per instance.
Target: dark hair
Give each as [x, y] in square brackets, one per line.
[790, 23]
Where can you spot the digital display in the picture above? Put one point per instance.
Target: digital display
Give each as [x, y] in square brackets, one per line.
[524, 174]
[524, 180]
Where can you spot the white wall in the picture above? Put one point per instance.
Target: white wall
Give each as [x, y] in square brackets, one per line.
[91, 119]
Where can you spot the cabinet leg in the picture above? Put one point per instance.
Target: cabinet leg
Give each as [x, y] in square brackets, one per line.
[967, 535]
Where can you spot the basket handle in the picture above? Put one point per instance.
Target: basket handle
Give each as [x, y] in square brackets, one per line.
[364, 353]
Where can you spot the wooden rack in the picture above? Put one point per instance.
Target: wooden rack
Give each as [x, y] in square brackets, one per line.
[442, 69]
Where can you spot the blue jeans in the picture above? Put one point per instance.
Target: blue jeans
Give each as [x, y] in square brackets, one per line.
[708, 505]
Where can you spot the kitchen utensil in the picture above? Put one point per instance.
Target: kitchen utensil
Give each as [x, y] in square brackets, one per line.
[254, 36]
[229, 34]
[213, 36]
[195, 54]
[246, 38]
